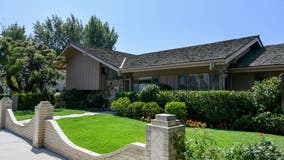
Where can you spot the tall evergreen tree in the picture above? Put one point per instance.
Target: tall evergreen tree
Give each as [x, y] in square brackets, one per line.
[99, 34]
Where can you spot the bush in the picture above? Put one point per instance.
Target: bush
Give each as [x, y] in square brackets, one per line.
[264, 150]
[164, 87]
[269, 123]
[177, 108]
[84, 98]
[1, 96]
[134, 110]
[133, 96]
[120, 105]
[29, 101]
[244, 123]
[202, 146]
[218, 108]
[149, 93]
[151, 109]
[267, 94]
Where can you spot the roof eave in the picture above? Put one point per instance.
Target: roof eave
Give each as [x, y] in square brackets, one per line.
[175, 66]
[260, 68]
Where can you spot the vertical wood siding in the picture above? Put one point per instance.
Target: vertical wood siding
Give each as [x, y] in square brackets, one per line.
[83, 73]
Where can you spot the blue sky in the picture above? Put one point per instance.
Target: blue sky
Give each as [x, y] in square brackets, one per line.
[152, 25]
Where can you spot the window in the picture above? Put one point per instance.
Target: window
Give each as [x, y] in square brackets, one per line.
[193, 82]
[141, 82]
[203, 81]
[182, 82]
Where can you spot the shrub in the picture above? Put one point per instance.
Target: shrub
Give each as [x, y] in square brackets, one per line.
[264, 150]
[133, 96]
[151, 108]
[84, 98]
[267, 94]
[269, 122]
[1, 96]
[134, 109]
[202, 146]
[177, 108]
[58, 100]
[149, 93]
[164, 87]
[120, 105]
[243, 123]
[29, 101]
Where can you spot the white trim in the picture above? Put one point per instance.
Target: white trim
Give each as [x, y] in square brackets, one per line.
[122, 63]
[242, 51]
[93, 57]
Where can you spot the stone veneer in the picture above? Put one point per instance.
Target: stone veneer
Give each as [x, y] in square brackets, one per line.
[45, 132]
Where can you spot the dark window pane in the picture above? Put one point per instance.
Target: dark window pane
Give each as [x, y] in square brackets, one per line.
[214, 81]
[204, 81]
[193, 82]
[182, 82]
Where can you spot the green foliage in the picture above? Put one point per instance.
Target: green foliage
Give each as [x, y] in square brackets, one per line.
[15, 32]
[177, 108]
[218, 108]
[134, 110]
[243, 123]
[149, 93]
[201, 145]
[133, 96]
[29, 101]
[151, 109]
[164, 87]
[269, 123]
[120, 105]
[27, 66]
[264, 150]
[1, 96]
[83, 99]
[99, 34]
[56, 34]
[267, 95]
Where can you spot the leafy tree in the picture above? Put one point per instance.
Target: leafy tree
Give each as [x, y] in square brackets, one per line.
[51, 33]
[27, 66]
[56, 33]
[15, 32]
[99, 34]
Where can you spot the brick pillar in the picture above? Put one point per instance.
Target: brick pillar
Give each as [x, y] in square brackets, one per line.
[160, 136]
[43, 111]
[5, 103]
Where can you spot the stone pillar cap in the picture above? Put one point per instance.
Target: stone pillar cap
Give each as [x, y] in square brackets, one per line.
[165, 117]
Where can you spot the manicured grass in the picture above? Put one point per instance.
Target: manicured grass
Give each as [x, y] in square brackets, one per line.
[225, 138]
[28, 114]
[105, 133]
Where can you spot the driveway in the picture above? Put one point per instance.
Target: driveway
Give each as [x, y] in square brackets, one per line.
[13, 147]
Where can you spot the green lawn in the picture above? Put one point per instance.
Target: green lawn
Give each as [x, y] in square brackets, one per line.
[105, 133]
[28, 114]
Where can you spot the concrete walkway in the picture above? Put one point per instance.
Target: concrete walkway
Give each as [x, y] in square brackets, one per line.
[66, 116]
[13, 147]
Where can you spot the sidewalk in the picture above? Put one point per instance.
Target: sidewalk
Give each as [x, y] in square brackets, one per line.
[13, 147]
[65, 116]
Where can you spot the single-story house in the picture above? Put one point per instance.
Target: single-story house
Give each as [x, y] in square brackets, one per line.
[228, 65]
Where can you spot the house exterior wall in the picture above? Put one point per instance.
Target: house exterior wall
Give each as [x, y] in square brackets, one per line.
[170, 76]
[83, 73]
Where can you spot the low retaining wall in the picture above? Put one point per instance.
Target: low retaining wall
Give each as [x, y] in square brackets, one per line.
[56, 141]
[14, 126]
[45, 132]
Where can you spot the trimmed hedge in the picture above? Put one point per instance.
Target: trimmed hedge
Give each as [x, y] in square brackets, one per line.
[218, 108]
[269, 123]
[120, 105]
[151, 109]
[134, 110]
[177, 108]
[83, 98]
[29, 101]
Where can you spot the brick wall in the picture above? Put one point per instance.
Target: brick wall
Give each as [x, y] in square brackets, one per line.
[14, 126]
[45, 132]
